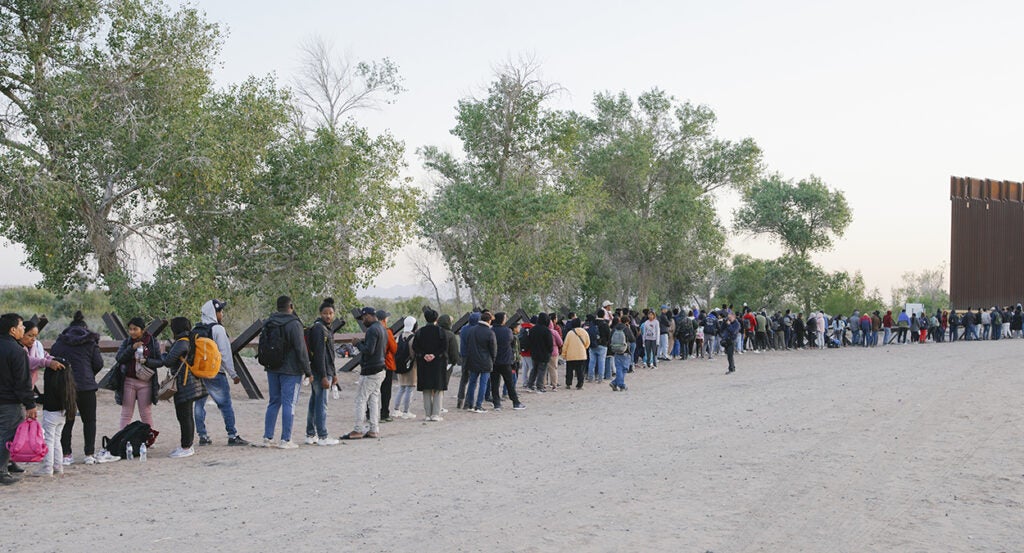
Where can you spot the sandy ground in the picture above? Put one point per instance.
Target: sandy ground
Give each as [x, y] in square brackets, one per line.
[904, 448]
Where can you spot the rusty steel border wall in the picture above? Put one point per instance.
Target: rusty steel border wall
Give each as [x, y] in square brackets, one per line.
[986, 243]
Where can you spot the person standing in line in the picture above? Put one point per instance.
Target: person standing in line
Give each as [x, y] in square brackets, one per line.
[389, 366]
[284, 381]
[16, 399]
[622, 336]
[81, 348]
[321, 361]
[664, 323]
[577, 341]
[212, 326]
[430, 349]
[58, 401]
[503, 364]
[190, 388]
[454, 358]
[481, 351]
[556, 351]
[598, 351]
[371, 375]
[887, 324]
[541, 343]
[129, 361]
[474, 318]
[406, 380]
[651, 333]
[729, 336]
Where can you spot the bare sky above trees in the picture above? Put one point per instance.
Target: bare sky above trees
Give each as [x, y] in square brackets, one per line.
[883, 101]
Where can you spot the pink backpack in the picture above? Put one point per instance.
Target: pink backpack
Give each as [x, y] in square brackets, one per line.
[28, 446]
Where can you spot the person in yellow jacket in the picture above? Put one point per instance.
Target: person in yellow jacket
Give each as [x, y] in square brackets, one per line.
[574, 349]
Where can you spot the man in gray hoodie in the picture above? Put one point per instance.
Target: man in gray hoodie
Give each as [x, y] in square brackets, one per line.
[284, 329]
[219, 388]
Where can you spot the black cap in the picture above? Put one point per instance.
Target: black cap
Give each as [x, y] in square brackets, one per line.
[219, 305]
[367, 311]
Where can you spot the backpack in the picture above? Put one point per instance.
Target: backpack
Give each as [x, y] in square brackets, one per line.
[684, 329]
[203, 357]
[136, 433]
[28, 445]
[524, 340]
[595, 335]
[403, 357]
[273, 346]
[618, 343]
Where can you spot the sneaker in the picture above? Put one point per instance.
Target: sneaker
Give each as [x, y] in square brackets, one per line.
[518, 407]
[68, 460]
[238, 440]
[14, 468]
[438, 419]
[541, 391]
[181, 452]
[530, 389]
[498, 408]
[409, 416]
[7, 479]
[443, 410]
[387, 419]
[265, 442]
[42, 472]
[205, 440]
[312, 440]
[105, 456]
[287, 445]
[614, 387]
[90, 460]
[479, 410]
[328, 441]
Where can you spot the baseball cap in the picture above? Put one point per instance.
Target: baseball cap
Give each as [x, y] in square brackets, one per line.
[367, 311]
[606, 303]
[219, 305]
[381, 314]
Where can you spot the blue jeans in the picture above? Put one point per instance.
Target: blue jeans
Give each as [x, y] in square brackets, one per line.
[595, 365]
[484, 379]
[220, 391]
[621, 367]
[316, 416]
[972, 332]
[284, 394]
[887, 336]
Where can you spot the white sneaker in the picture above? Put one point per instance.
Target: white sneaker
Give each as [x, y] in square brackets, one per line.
[287, 445]
[443, 410]
[68, 460]
[265, 442]
[438, 419]
[409, 415]
[311, 440]
[179, 453]
[328, 441]
[42, 472]
[105, 456]
[90, 460]
[397, 414]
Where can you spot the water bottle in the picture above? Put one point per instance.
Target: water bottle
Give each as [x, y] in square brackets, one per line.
[336, 391]
[140, 355]
[128, 452]
[142, 452]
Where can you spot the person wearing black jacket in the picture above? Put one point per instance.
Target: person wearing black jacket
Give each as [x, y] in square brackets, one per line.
[503, 365]
[541, 345]
[131, 388]
[190, 388]
[284, 381]
[481, 350]
[81, 348]
[371, 375]
[321, 357]
[729, 335]
[16, 399]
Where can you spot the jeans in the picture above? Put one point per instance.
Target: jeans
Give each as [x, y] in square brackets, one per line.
[316, 415]
[662, 346]
[219, 388]
[53, 423]
[971, 333]
[595, 364]
[621, 367]
[86, 402]
[526, 371]
[368, 400]
[284, 394]
[140, 391]
[984, 331]
[475, 392]
[887, 336]
[11, 415]
[650, 353]
[608, 365]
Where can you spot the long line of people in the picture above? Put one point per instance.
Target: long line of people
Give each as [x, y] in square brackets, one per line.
[497, 361]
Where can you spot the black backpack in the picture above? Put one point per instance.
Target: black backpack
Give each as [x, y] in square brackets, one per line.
[524, 340]
[403, 357]
[136, 433]
[203, 330]
[273, 346]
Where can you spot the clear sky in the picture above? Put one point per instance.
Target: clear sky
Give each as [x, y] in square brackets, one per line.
[882, 100]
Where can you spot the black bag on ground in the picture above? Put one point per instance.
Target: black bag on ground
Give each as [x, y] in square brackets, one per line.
[136, 433]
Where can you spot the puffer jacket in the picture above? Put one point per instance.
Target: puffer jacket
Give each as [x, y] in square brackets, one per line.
[80, 347]
[576, 343]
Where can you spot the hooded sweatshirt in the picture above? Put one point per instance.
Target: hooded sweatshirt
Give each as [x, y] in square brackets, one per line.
[296, 358]
[445, 322]
[81, 348]
[209, 318]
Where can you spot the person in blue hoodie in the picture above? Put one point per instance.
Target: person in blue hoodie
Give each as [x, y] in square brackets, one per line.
[729, 335]
[474, 318]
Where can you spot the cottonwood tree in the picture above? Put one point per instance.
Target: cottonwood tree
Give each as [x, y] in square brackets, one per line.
[659, 163]
[112, 135]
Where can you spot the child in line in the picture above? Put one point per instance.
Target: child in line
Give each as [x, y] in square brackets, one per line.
[699, 340]
[58, 401]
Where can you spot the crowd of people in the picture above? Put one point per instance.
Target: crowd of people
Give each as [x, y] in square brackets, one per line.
[499, 359]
